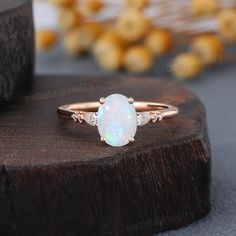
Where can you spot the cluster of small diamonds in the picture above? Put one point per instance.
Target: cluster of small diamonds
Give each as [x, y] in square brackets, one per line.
[146, 117]
[90, 118]
[142, 118]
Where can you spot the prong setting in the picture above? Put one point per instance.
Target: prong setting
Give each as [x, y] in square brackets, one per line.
[131, 140]
[130, 100]
[103, 140]
[102, 100]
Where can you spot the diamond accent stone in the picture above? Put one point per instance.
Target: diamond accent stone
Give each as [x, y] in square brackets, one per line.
[156, 117]
[77, 117]
[74, 117]
[90, 118]
[143, 119]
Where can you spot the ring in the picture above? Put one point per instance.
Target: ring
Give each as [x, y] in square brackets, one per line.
[117, 116]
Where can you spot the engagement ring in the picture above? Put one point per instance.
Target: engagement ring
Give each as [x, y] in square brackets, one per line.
[117, 117]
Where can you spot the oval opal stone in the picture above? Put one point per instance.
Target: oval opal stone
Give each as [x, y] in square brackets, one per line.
[117, 120]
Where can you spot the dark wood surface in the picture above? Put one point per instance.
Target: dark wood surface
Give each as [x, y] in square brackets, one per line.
[58, 179]
[16, 47]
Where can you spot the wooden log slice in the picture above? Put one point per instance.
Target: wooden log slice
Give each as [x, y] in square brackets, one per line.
[58, 179]
[16, 47]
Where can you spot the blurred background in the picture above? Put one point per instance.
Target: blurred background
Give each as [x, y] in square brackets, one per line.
[188, 41]
[156, 37]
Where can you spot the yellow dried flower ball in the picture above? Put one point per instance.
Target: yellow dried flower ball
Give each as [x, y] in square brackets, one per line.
[71, 43]
[45, 39]
[63, 3]
[204, 7]
[113, 60]
[80, 40]
[132, 25]
[93, 30]
[159, 41]
[106, 43]
[227, 24]
[139, 4]
[208, 48]
[138, 59]
[68, 18]
[186, 66]
[88, 7]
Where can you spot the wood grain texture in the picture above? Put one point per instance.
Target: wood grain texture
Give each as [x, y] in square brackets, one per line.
[16, 47]
[58, 179]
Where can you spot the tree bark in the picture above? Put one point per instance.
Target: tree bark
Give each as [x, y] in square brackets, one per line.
[58, 179]
[16, 47]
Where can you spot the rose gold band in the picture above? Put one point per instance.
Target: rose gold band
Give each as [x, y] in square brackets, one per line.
[155, 111]
[165, 109]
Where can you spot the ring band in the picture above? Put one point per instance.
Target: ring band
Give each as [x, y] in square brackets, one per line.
[117, 116]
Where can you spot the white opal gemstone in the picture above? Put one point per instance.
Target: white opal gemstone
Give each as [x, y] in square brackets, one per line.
[117, 120]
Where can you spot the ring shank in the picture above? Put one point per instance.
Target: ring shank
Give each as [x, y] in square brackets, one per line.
[165, 109]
